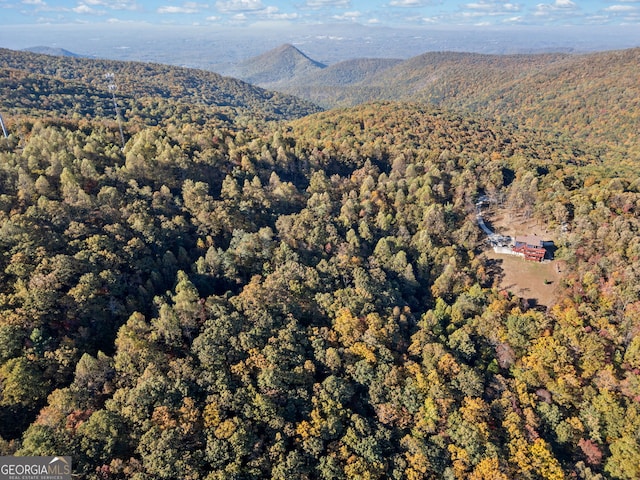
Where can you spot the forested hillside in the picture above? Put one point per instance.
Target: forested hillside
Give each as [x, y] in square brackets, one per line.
[434, 76]
[67, 86]
[226, 298]
[594, 97]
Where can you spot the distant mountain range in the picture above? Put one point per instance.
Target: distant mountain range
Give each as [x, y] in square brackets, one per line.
[593, 96]
[217, 48]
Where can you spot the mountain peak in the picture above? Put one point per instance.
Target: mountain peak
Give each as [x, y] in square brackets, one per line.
[285, 47]
[53, 51]
[277, 66]
[288, 49]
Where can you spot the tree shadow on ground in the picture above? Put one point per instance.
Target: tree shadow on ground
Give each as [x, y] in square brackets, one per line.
[495, 271]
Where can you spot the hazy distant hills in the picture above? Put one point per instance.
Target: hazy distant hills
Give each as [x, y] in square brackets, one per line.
[65, 85]
[56, 52]
[348, 72]
[286, 67]
[329, 43]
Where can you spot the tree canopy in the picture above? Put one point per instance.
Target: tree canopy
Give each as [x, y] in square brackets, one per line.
[310, 299]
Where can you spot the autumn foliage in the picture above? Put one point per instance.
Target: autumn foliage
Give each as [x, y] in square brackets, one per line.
[231, 299]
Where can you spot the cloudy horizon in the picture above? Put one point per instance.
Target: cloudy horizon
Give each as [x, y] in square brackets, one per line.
[477, 13]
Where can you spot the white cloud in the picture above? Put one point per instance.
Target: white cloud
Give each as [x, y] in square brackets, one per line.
[351, 16]
[493, 6]
[114, 20]
[489, 9]
[472, 14]
[480, 6]
[564, 4]
[239, 18]
[173, 9]
[553, 10]
[195, 5]
[408, 3]
[243, 10]
[327, 3]
[87, 10]
[621, 8]
[272, 14]
[33, 2]
[114, 4]
[239, 5]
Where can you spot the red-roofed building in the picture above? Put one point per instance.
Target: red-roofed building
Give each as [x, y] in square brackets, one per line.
[531, 246]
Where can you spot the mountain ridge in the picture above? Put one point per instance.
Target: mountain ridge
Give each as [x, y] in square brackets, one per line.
[137, 80]
[569, 94]
[347, 72]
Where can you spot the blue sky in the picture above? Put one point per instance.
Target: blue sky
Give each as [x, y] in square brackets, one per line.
[366, 12]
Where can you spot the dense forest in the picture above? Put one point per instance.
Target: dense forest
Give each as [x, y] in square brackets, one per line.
[594, 97]
[69, 86]
[229, 297]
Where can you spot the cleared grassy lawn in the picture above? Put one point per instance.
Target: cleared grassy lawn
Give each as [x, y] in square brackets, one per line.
[526, 279]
